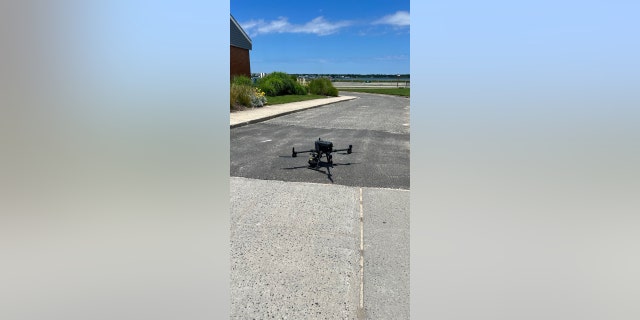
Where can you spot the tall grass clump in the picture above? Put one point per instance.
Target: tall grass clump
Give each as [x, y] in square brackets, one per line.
[241, 80]
[279, 84]
[322, 86]
[240, 95]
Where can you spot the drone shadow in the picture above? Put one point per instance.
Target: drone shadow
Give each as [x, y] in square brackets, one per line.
[321, 166]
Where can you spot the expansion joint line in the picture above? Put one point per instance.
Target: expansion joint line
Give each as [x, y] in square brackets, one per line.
[361, 255]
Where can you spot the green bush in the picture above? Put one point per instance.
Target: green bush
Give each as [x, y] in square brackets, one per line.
[279, 84]
[322, 86]
[241, 80]
[300, 89]
[272, 86]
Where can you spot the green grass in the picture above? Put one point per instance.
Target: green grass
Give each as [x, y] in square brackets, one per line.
[392, 91]
[292, 98]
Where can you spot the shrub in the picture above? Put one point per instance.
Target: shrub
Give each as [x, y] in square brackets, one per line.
[322, 86]
[248, 96]
[300, 89]
[258, 98]
[280, 83]
[241, 80]
[272, 86]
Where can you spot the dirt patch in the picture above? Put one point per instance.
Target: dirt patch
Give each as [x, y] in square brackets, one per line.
[239, 107]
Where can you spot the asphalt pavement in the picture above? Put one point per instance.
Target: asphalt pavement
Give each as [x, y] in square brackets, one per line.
[377, 126]
[324, 243]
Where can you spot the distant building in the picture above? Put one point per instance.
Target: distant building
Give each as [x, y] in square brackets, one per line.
[240, 45]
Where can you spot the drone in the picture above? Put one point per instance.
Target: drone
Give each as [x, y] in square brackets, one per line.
[322, 147]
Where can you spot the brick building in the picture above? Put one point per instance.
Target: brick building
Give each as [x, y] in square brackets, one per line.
[240, 46]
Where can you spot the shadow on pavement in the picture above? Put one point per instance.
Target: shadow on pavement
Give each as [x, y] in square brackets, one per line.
[320, 167]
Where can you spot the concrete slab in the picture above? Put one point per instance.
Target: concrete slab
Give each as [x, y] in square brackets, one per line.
[294, 250]
[240, 118]
[386, 253]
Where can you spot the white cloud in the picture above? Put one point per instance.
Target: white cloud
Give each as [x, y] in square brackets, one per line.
[318, 26]
[321, 27]
[398, 19]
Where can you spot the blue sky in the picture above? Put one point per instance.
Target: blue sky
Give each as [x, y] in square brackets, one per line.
[327, 36]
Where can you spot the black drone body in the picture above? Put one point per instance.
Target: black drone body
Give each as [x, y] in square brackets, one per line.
[322, 147]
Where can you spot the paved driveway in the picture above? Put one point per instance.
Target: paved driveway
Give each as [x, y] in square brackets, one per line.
[331, 243]
[376, 125]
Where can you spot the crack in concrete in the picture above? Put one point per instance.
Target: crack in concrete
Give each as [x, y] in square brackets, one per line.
[361, 307]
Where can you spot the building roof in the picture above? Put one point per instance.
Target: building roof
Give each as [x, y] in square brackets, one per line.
[239, 37]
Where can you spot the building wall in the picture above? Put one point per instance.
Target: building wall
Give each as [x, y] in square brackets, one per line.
[240, 63]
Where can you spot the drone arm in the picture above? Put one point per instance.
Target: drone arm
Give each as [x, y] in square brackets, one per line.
[348, 150]
[294, 153]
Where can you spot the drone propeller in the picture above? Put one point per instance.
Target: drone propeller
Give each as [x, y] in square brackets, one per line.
[348, 150]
